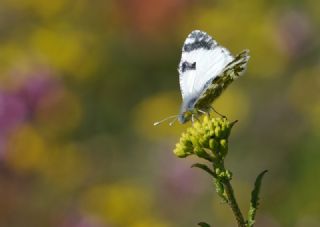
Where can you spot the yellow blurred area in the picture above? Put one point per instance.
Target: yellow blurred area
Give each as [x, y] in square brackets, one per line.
[123, 204]
[233, 103]
[147, 222]
[62, 48]
[43, 8]
[14, 56]
[61, 165]
[58, 46]
[27, 138]
[156, 108]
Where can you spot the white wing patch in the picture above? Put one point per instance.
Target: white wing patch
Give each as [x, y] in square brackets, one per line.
[202, 60]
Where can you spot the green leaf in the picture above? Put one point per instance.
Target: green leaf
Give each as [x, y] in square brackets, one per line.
[254, 203]
[203, 224]
[205, 168]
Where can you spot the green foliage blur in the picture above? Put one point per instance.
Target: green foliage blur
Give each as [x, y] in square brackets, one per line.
[81, 83]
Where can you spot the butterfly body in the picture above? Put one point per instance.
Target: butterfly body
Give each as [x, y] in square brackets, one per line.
[205, 71]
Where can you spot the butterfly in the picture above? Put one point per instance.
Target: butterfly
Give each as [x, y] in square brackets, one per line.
[206, 69]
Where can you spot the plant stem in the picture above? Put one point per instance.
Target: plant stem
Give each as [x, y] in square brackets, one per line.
[233, 203]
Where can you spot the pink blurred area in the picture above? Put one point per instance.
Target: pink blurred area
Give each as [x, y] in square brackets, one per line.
[19, 104]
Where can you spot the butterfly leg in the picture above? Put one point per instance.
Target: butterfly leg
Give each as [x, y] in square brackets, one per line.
[221, 115]
[204, 112]
[194, 117]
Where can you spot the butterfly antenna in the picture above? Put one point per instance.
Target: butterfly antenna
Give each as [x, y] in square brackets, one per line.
[167, 118]
[172, 122]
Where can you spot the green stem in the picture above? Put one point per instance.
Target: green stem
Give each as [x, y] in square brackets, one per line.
[225, 179]
[233, 203]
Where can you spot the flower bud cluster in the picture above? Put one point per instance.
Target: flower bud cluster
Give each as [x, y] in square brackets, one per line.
[207, 139]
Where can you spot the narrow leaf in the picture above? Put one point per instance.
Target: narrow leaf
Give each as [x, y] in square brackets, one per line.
[203, 224]
[205, 168]
[254, 203]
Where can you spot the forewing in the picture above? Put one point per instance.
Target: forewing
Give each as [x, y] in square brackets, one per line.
[202, 60]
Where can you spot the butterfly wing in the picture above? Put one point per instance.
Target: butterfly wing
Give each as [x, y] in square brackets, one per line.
[202, 60]
[216, 86]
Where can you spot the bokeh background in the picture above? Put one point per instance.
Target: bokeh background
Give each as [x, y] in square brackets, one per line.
[81, 83]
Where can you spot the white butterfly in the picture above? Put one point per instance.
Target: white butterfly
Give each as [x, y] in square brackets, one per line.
[205, 70]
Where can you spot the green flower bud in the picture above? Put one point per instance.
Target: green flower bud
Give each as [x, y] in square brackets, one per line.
[207, 139]
[223, 143]
[228, 174]
[213, 144]
[223, 147]
[179, 152]
[217, 131]
[200, 152]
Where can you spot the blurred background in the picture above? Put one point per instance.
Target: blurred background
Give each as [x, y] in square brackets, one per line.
[81, 83]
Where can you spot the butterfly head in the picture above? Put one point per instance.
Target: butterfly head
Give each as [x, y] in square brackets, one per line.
[185, 117]
[187, 110]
